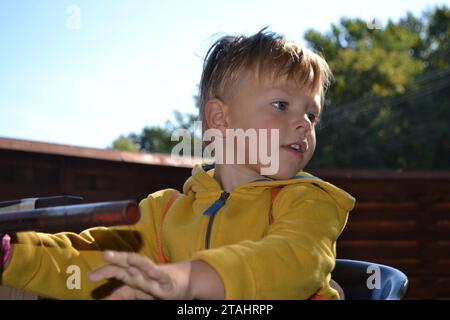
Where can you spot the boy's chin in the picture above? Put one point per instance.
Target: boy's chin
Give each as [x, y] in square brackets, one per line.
[283, 174]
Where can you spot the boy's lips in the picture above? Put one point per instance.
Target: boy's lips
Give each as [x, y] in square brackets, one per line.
[297, 148]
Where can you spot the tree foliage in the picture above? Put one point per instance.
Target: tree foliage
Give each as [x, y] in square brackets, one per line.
[157, 138]
[389, 106]
[123, 143]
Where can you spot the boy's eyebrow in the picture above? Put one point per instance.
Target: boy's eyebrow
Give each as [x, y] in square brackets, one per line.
[316, 106]
[276, 88]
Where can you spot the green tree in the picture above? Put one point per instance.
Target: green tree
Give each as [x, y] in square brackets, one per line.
[123, 143]
[159, 138]
[389, 105]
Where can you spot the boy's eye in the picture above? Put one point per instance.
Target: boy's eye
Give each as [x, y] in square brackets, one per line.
[312, 117]
[280, 105]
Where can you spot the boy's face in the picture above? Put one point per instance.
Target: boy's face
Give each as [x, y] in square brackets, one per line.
[278, 105]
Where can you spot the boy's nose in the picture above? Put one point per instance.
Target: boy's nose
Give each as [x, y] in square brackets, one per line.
[304, 126]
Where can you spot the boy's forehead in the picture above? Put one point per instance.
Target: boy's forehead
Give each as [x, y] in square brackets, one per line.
[266, 81]
[288, 85]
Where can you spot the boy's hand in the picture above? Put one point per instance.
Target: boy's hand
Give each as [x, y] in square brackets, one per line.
[144, 279]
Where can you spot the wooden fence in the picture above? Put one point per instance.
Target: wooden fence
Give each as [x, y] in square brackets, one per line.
[401, 218]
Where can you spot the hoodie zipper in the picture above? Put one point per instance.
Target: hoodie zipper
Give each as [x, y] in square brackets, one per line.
[211, 212]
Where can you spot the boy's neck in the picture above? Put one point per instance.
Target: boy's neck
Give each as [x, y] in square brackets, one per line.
[231, 176]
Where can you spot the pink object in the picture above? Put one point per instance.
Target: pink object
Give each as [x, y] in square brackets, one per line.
[6, 248]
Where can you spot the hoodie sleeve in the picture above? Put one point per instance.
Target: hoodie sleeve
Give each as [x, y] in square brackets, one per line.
[295, 258]
[58, 265]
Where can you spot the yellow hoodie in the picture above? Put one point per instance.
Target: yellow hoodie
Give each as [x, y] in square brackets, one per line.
[291, 258]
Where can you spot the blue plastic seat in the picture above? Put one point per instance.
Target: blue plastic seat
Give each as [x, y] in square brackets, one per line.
[357, 279]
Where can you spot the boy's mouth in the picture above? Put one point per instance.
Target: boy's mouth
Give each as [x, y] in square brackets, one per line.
[297, 148]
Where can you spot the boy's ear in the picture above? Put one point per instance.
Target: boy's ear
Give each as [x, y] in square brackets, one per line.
[216, 115]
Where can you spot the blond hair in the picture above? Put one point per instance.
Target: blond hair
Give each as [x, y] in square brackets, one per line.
[265, 53]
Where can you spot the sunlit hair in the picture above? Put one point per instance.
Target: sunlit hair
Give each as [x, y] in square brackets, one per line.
[265, 55]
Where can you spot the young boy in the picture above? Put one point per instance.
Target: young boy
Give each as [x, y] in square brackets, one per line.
[233, 233]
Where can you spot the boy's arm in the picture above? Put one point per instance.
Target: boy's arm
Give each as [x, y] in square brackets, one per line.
[57, 265]
[206, 283]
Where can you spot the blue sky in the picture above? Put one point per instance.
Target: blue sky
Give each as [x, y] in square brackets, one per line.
[132, 62]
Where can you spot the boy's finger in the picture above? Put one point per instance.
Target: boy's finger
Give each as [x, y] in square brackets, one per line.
[136, 281]
[144, 264]
[131, 259]
[116, 257]
[108, 272]
[135, 272]
[150, 269]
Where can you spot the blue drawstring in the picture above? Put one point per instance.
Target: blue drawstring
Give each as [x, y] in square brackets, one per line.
[219, 203]
[207, 167]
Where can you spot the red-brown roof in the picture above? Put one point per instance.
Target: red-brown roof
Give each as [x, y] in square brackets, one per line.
[93, 153]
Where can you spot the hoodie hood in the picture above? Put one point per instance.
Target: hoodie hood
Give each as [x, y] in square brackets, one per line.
[204, 187]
